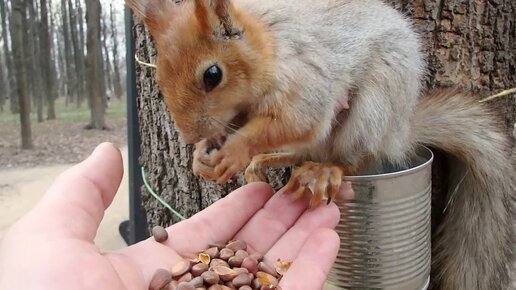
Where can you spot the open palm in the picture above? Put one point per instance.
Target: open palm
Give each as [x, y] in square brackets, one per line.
[52, 246]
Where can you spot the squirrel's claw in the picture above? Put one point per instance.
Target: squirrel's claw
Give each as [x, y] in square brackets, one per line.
[322, 180]
[201, 161]
[256, 170]
[254, 173]
[219, 165]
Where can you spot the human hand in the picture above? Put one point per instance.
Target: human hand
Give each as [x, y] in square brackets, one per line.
[52, 246]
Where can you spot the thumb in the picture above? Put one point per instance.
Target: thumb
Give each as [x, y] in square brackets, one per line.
[74, 205]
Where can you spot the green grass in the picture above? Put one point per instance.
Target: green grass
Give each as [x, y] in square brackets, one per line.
[116, 110]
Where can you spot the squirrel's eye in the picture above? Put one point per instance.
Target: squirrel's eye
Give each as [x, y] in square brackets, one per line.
[212, 77]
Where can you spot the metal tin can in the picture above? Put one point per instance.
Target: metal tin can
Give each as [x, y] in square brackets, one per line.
[385, 229]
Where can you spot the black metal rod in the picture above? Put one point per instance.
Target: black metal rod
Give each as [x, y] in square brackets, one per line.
[138, 227]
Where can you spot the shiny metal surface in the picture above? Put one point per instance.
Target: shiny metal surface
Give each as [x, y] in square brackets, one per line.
[385, 230]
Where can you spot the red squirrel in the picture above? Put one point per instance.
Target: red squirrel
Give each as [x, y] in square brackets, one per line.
[333, 86]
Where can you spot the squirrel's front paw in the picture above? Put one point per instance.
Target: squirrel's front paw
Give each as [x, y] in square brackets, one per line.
[228, 161]
[202, 157]
[219, 165]
[323, 181]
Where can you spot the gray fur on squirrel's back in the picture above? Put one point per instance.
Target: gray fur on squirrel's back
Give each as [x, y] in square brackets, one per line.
[329, 48]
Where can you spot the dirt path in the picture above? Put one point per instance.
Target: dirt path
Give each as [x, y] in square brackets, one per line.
[21, 188]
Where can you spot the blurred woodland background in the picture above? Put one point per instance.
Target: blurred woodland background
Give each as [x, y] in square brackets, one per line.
[62, 72]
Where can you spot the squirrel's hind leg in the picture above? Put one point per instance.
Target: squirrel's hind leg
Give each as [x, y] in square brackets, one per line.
[255, 172]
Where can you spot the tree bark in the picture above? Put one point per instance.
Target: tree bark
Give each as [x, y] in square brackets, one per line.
[117, 85]
[70, 66]
[81, 59]
[106, 58]
[35, 68]
[18, 29]
[469, 44]
[94, 65]
[3, 83]
[10, 73]
[4, 79]
[76, 23]
[30, 43]
[60, 54]
[47, 63]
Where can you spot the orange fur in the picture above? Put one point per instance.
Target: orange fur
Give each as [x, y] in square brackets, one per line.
[187, 45]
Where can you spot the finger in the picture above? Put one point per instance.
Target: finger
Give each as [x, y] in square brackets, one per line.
[345, 192]
[289, 245]
[146, 256]
[271, 222]
[311, 267]
[221, 221]
[74, 205]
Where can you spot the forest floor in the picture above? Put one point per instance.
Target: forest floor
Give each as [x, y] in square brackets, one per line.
[25, 175]
[61, 141]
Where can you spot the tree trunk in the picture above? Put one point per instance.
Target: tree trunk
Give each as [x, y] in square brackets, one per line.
[76, 23]
[94, 65]
[47, 63]
[28, 46]
[70, 66]
[117, 86]
[81, 55]
[10, 73]
[18, 29]
[469, 44]
[107, 59]
[38, 94]
[3, 83]
[37, 90]
[4, 79]
[60, 54]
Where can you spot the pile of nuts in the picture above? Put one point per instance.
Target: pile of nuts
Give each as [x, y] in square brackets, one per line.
[223, 266]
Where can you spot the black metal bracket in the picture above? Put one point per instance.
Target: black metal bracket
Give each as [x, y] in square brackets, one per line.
[137, 225]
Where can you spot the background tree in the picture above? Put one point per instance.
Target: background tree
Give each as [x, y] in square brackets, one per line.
[469, 43]
[31, 46]
[106, 55]
[3, 80]
[47, 63]
[94, 66]
[117, 85]
[11, 80]
[53, 56]
[77, 38]
[18, 35]
[67, 60]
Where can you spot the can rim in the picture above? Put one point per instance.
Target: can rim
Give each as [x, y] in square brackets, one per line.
[421, 151]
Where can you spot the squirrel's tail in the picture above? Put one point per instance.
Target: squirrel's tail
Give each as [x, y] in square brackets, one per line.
[473, 246]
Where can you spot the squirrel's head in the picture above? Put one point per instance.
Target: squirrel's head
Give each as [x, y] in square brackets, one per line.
[213, 63]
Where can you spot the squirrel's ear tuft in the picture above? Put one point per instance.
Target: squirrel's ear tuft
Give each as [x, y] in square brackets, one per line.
[217, 16]
[138, 6]
[149, 8]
